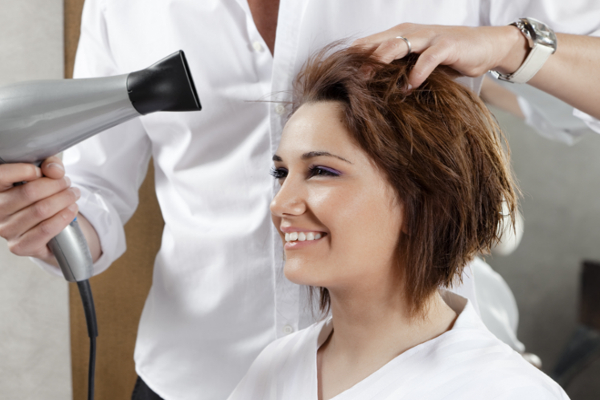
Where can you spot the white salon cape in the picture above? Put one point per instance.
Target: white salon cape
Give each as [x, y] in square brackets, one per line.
[464, 363]
[219, 296]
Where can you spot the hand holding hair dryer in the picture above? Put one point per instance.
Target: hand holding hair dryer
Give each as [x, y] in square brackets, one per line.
[39, 119]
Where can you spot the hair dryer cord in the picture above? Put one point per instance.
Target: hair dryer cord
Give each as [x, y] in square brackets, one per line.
[90, 316]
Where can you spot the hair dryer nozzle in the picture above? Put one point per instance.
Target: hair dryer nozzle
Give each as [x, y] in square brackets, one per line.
[164, 86]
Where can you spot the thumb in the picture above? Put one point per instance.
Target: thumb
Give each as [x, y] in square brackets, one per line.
[52, 167]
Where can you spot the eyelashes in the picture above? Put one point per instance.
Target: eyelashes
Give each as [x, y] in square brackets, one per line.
[313, 170]
[278, 173]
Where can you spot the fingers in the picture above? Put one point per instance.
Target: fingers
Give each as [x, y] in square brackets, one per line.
[390, 45]
[380, 37]
[53, 168]
[391, 49]
[470, 51]
[33, 213]
[20, 197]
[14, 173]
[426, 63]
[33, 243]
[27, 218]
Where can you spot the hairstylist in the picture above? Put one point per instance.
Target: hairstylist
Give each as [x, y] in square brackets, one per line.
[218, 296]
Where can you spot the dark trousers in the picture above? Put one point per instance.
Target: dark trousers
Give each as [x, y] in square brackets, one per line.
[141, 391]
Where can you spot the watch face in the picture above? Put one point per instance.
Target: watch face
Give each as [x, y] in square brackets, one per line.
[539, 32]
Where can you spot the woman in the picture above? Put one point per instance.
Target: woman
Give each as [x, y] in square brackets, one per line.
[385, 195]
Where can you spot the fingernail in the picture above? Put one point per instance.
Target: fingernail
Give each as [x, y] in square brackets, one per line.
[73, 207]
[38, 172]
[76, 191]
[57, 166]
[68, 180]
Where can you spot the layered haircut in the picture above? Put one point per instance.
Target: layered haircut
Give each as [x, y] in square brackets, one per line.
[439, 148]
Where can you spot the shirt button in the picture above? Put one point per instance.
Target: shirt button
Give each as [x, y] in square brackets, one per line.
[257, 46]
[288, 329]
[279, 109]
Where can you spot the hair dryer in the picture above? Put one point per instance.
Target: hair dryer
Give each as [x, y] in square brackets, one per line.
[39, 119]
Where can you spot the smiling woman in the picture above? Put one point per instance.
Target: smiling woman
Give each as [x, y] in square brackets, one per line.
[386, 194]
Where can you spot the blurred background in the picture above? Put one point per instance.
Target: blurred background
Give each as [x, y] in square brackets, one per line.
[556, 160]
[560, 208]
[35, 360]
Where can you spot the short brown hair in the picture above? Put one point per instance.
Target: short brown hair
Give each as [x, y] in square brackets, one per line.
[438, 146]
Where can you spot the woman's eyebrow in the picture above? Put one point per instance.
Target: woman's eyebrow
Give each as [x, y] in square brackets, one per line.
[312, 154]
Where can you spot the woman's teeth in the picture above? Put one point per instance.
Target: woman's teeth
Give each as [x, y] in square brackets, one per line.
[302, 236]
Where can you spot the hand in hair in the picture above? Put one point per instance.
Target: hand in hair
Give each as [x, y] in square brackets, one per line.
[470, 51]
[569, 74]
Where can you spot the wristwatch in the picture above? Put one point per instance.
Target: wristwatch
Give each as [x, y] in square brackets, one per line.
[542, 42]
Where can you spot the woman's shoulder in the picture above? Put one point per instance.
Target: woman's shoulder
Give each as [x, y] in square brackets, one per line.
[485, 367]
[471, 366]
[469, 362]
[509, 376]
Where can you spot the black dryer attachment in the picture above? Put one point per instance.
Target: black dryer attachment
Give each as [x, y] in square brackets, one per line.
[164, 86]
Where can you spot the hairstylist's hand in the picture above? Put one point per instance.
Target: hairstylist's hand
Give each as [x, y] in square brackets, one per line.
[570, 74]
[470, 51]
[33, 213]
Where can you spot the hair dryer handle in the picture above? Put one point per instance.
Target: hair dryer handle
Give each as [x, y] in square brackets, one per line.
[72, 253]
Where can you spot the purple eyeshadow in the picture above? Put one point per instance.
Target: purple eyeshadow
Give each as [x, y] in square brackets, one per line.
[331, 170]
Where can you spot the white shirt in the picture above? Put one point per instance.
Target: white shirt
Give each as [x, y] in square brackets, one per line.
[219, 295]
[464, 363]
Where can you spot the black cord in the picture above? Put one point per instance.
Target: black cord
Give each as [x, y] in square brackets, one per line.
[92, 368]
[90, 316]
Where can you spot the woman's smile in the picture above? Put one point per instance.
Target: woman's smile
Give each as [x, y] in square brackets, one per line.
[300, 239]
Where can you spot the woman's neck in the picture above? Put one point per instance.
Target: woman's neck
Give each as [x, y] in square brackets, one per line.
[371, 329]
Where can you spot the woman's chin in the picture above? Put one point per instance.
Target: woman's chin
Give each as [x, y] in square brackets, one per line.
[302, 274]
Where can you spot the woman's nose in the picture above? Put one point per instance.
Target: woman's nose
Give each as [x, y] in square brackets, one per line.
[288, 201]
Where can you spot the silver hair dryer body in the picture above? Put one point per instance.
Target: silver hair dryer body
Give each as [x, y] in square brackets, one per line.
[39, 119]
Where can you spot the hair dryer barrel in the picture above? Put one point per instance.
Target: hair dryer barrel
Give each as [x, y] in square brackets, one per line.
[42, 118]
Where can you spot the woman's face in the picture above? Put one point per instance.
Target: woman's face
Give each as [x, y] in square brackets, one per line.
[334, 197]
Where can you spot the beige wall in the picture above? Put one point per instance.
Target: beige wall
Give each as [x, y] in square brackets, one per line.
[34, 327]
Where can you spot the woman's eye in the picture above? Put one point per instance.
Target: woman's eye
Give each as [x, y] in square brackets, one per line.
[322, 171]
[279, 173]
